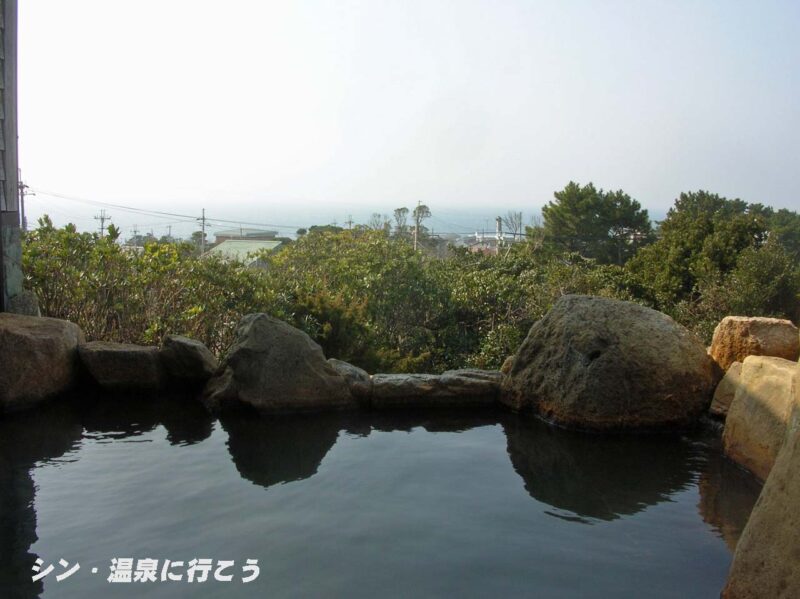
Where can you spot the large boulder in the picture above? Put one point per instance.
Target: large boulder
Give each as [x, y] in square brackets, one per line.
[723, 394]
[187, 360]
[756, 426]
[275, 367]
[602, 364]
[737, 337]
[767, 558]
[451, 389]
[122, 366]
[38, 360]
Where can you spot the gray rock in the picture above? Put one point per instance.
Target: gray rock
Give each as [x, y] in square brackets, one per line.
[275, 367]
[25, 302]
[431, 390]
[508, 364]
[122, 366]
[494, 376]
[602, 364]
[39, 359]
[187, 360]
[358, 380]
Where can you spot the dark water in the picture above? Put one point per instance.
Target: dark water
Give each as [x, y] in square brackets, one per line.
[487, 505]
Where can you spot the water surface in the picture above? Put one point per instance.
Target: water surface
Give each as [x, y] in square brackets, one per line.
[363, 505]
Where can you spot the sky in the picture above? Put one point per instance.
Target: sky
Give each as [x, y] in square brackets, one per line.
[304, 112]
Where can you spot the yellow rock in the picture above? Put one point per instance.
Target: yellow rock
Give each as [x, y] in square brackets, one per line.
[737, 337]
[767, 558]
[725, 391]
[757, 421]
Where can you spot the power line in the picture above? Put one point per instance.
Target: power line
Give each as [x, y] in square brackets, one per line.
[221, 222]
[159, 213]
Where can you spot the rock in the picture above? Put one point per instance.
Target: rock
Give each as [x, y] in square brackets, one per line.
[39, 359]
[275, 367]
[25, 302]
[602, 364]
[122, 366]
[431, 390]
[493, 376]
[766, 560]
[186, 360]
[755, 428]
[508, 364]
[723, 394]
[737, 337]
[358, 380]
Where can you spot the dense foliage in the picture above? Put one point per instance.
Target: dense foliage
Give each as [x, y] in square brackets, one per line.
[115, 293]
[367, 297]
[608, 226]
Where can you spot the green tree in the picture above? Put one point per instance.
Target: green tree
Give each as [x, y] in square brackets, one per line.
[784, 227]
[199, 239]
[700, 241]
[400, 222]
[317, 229]
[606, 226]
[421, 212]
[766, 282]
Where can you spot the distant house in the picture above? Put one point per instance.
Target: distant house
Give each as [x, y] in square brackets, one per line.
[244, 233]
[243, 250]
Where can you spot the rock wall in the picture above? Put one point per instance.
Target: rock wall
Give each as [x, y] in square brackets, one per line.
[767, 558]
[590, 363]
[756, 426]
[726, 390]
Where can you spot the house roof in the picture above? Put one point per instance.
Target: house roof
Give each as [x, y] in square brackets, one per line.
[239, 249]
[244, 232]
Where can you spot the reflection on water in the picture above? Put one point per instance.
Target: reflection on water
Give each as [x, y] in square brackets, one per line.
[727, 494]
[269, 452]
[597, 476]
[365, 504]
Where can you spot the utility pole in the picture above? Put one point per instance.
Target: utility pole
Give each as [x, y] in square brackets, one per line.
[169, 232]
[349, 221]
[102, 217]
[23, 191]
[416, 225]
[202, 220]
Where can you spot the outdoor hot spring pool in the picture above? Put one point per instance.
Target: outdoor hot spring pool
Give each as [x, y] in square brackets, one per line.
[361, 505]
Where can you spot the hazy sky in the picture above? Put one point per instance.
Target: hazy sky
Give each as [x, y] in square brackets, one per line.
[303, 111]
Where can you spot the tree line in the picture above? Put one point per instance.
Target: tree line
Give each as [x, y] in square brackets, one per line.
[369, 297]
